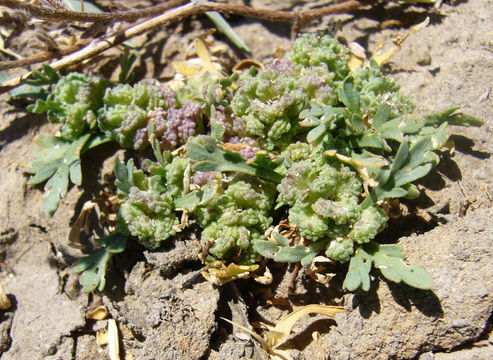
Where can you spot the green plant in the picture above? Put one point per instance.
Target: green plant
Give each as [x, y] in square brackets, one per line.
[299, 160]
[93, 267]
[57, 161]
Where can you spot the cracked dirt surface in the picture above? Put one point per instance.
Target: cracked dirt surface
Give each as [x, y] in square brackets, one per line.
[446, 64]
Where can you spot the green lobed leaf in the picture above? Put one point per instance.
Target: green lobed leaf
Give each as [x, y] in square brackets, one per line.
[349, 96]
[411, 124]
[126, 62]
[266, 248]
[209, 156]
[291, 253]
[30, 91]
[282, 240]
[407, 176]
[282, 252]
[409, 164]
[316, 133]
[56, 188]
[41, 106]
[128, 176]
[217, 129]
[453, 117]
[56, 161]
[359, 272]
[156, 147]
[122, 181]
[189, 201]
[95, 141]
[372, 140]
[388, 259]
[93, 267]
[47, 77]
[400, 158]
[76, 173]
[357, 124]
[381, 116]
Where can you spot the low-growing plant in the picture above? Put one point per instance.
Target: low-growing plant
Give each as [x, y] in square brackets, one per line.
[286, 163]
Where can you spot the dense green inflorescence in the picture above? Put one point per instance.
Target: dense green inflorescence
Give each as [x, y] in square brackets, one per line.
[324, 206]
[268, 105]
[269, 102]
[236, 216]
[305, 143]
[75, 102]
[148, 211]
[312, 50]
[128, 111]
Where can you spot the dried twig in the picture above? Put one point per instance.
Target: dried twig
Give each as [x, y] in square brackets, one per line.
[44, 56]
[53, 14]
[292, 279]
[286, 16]
[75, 55]
[99, 45]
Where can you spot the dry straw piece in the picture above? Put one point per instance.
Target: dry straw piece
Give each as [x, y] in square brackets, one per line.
[99, 313]
[279, 334]
[113, 340]
[5, 303]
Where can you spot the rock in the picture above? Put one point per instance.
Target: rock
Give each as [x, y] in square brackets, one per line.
[175, 255]
[5, 326]
[399, 322]
[86, 347]
[62, 351]
[237, 344]
[477, 353]
[168, 317]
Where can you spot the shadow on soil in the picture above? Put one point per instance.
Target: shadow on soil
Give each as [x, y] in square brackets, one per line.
[424, 300]
[20, 125]
[406, 296]
[465, 145]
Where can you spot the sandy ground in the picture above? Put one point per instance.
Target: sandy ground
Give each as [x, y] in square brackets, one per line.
[449, 63]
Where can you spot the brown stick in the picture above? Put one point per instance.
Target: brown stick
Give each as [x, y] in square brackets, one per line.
[292, 279]
[284, 16]
[52, 14]
[44, 56]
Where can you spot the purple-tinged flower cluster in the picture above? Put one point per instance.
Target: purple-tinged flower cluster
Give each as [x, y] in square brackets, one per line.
[181, 124]
[249, 148]
[201, 178]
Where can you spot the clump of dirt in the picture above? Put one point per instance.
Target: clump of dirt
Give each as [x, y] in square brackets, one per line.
[165, 311]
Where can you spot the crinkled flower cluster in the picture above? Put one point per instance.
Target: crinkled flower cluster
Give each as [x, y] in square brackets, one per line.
[123, 112]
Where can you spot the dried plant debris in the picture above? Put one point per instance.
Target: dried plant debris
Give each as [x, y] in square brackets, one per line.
[277, 335]
[295, 161]
[76, 31]
[99, 313]
[5, 302]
